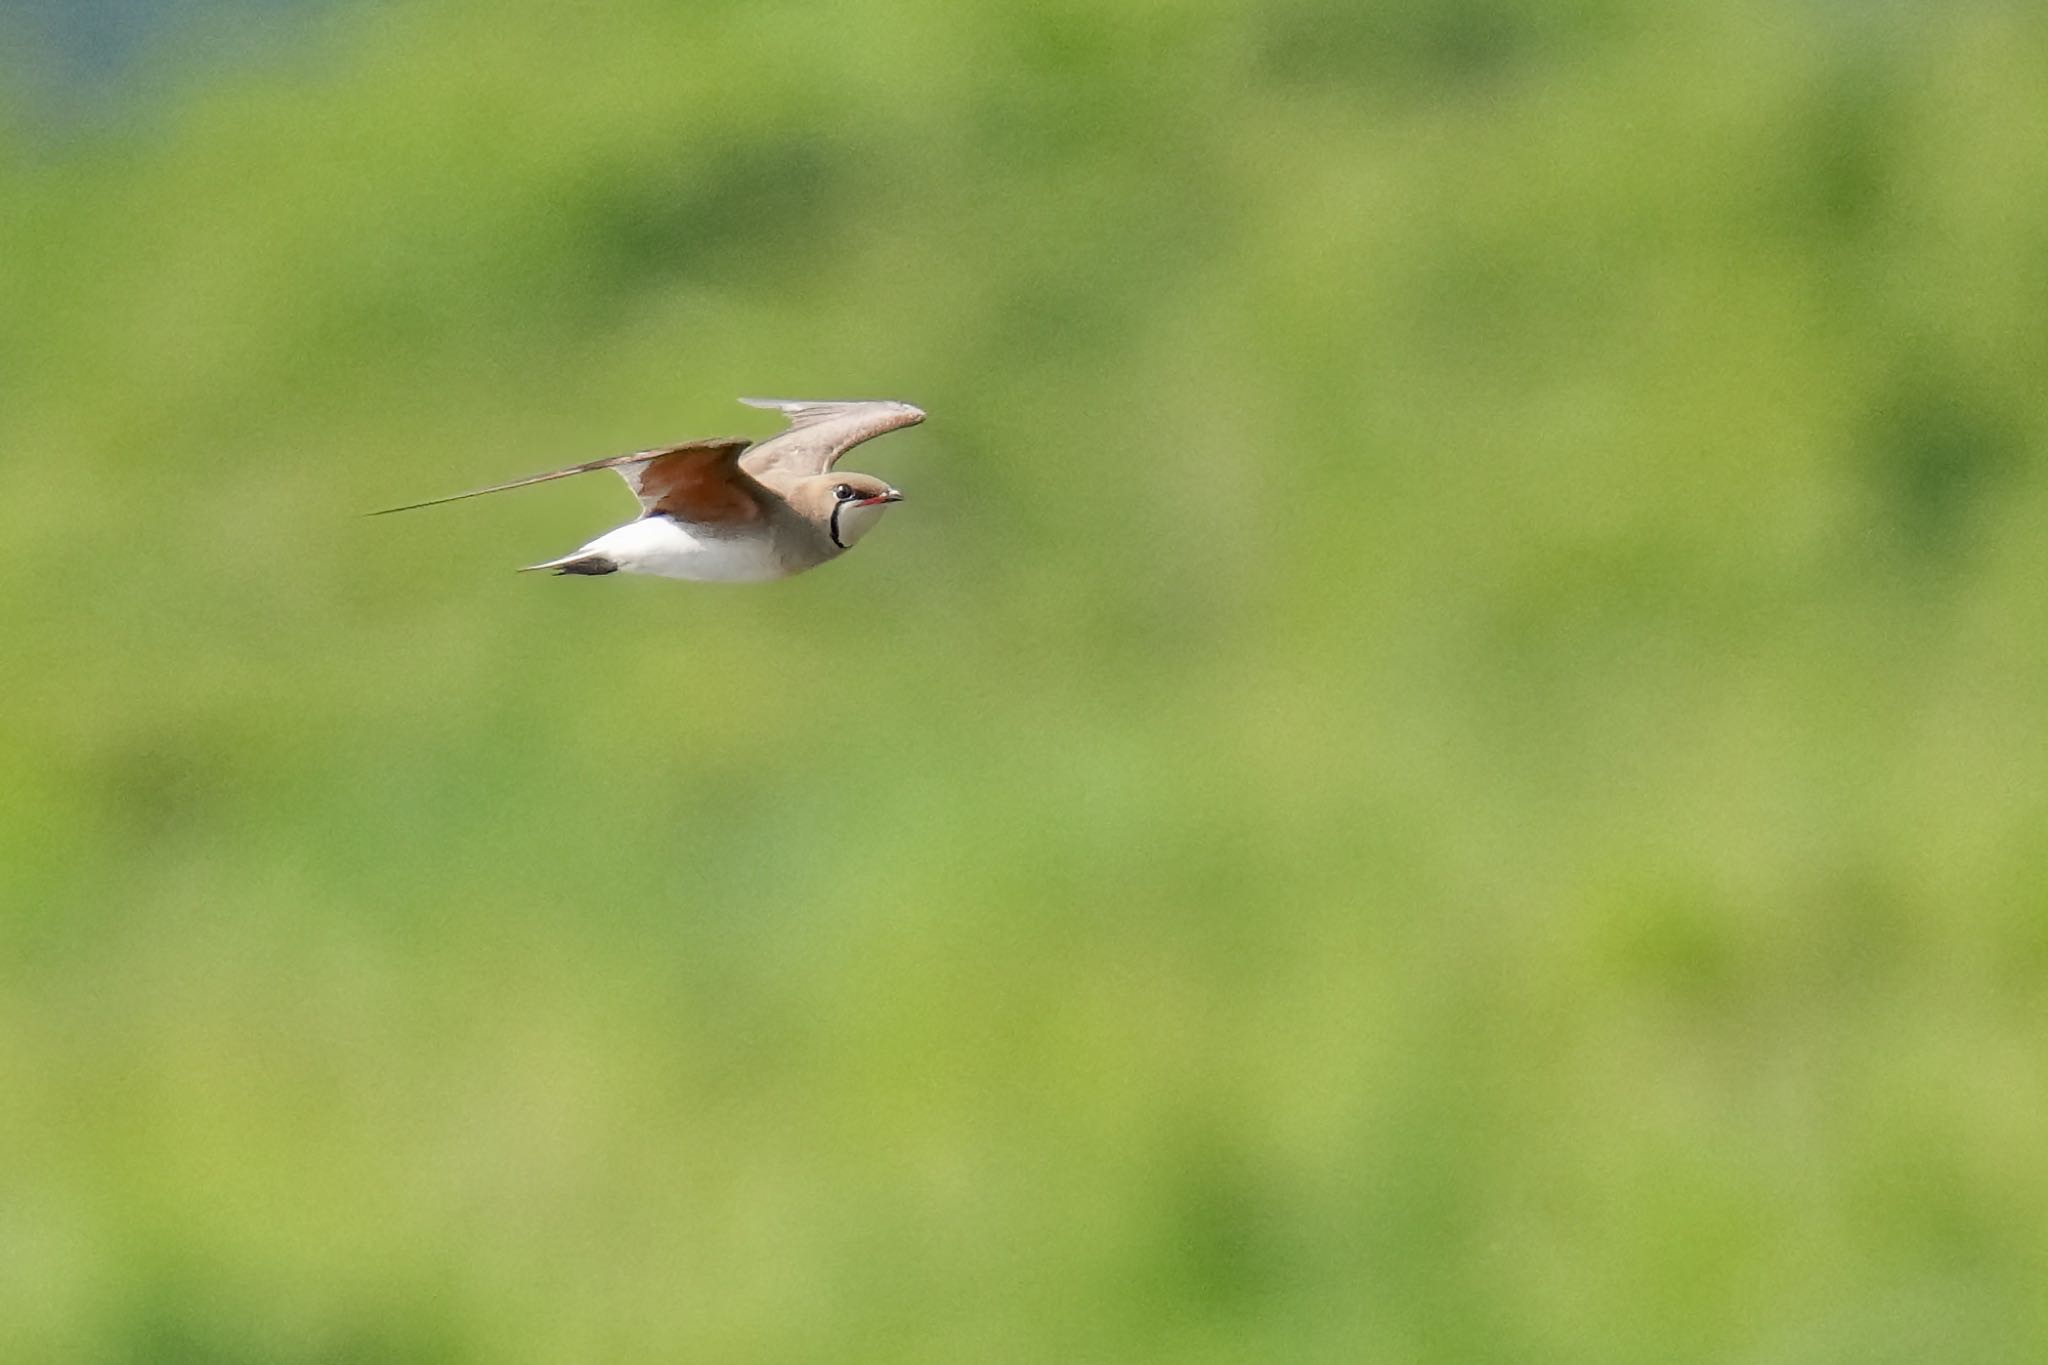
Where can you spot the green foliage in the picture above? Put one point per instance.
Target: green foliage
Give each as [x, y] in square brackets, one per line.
[1443, 765]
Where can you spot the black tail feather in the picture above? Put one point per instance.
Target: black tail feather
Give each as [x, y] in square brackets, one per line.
[582, 564]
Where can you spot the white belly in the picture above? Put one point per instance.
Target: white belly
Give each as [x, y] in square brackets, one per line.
[666, 547]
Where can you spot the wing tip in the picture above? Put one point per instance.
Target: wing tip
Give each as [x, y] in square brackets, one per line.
[804, 411]
[405, 507]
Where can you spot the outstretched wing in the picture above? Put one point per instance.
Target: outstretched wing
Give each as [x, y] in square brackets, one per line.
[819, 433]
[701, 482]
[697, 481]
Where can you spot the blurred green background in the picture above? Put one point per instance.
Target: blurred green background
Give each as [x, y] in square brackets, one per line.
[1444, 765]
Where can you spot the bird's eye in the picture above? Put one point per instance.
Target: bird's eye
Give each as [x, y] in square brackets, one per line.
[843, 492]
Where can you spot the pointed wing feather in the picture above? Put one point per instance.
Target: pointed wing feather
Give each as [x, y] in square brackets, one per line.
[700, 475]
[819, 433]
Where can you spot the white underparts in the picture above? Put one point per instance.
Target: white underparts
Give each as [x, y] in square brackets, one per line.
[667, 548]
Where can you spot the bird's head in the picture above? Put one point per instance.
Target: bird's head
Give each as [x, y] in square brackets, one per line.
[844, 506]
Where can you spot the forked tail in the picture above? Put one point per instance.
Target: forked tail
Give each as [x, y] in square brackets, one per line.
[578, 563]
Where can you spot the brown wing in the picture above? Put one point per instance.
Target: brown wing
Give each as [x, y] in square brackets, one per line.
[695, 481]
[701, 482]
[819, 433]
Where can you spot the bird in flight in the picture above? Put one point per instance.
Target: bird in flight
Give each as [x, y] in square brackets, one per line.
[727, 510]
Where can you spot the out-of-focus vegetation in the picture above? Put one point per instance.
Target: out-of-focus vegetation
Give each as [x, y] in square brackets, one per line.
[1444, 765]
